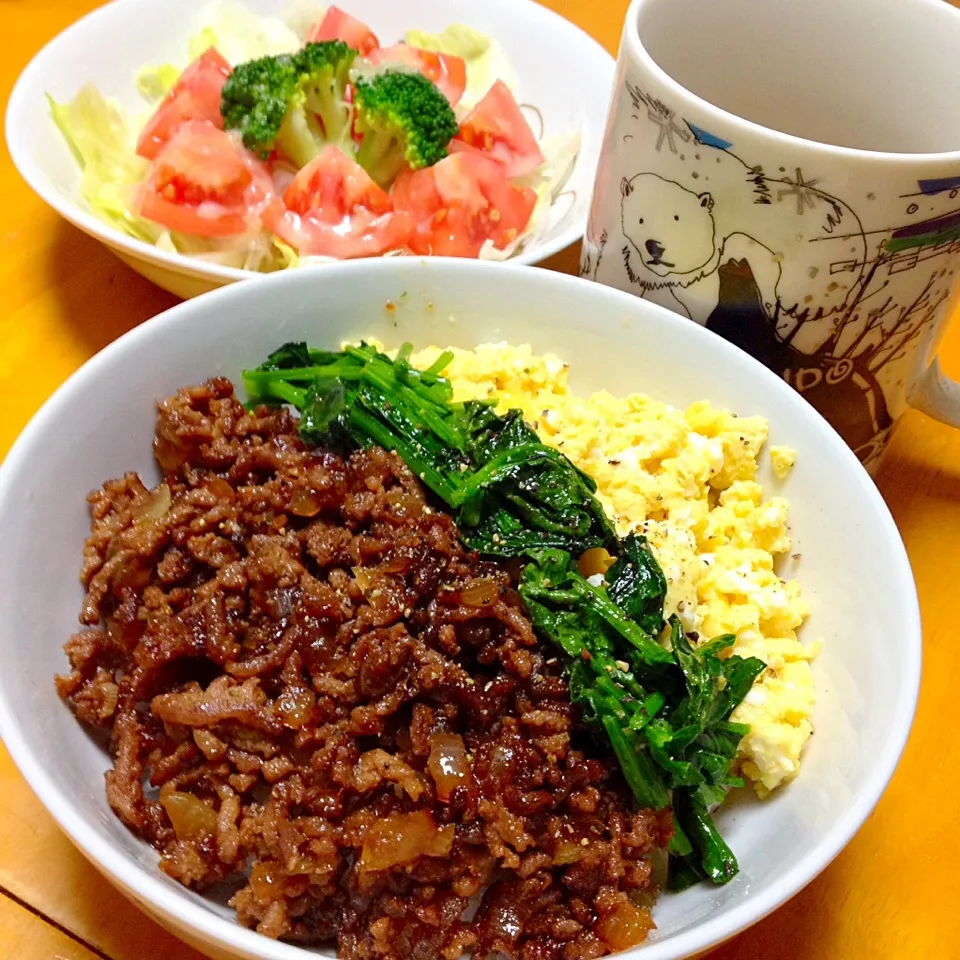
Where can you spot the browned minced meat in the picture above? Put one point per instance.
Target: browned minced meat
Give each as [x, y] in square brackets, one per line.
[314, 693]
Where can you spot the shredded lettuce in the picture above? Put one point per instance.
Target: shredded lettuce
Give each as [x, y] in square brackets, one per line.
[301, 15]
[486, 60]
[241, 35]
[102, 140]
[155, 82]
[560, 151]
[287, 257]
[260, 253]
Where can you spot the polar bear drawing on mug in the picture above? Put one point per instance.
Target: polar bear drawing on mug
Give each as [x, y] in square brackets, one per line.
[677, 237]
[776, 265]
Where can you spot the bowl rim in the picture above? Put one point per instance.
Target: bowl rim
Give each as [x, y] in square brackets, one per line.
[74, 211]
[150, 889]
[638, 49]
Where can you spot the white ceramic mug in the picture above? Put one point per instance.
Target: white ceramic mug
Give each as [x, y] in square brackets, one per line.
[787, 172]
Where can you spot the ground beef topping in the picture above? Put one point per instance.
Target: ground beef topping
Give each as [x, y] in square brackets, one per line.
[316, 698]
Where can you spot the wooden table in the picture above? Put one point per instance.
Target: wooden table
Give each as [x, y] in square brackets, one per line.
[890, 894]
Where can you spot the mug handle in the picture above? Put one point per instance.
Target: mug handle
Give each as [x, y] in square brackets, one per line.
[937, 395]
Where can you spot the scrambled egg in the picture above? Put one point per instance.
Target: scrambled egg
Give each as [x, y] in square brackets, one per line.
[687, 479]
[782, 459]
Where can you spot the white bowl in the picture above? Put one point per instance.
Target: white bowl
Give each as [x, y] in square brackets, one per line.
[854, 570]
[561, 70]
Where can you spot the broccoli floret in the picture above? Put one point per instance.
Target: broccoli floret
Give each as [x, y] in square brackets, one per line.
[255, 99]
[319, 113]
[294, 101]
[405, 121]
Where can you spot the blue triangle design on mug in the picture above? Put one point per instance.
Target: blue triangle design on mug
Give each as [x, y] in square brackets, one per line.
[708, 139]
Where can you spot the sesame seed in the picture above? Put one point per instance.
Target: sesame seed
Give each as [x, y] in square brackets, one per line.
[622, 664]
[584, 842]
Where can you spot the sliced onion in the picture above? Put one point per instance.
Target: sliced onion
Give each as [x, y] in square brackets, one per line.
[567, 851]
[400, 838]
[154, 506]
[481, 592]
[625, 926]
[365, 579]
[448, 764]
[305, 503]
[442, 842]
[264, 878]
[296, 707]
[221, 489]
[191, 817]
[169, 450]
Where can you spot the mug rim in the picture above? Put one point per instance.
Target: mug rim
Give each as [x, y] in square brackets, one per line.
[639, 52]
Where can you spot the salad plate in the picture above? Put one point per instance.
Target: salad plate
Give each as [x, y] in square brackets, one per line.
[129, 52]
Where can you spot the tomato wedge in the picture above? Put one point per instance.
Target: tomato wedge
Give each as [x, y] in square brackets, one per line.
[446, 71]
[205, 184]
[460, 203]
[334, 209]
[337, 24]
[459, 146]
[195, 96]
[497, 126]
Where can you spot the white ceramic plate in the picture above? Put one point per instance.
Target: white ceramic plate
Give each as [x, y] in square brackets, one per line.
[853, 570]
[560, 69]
